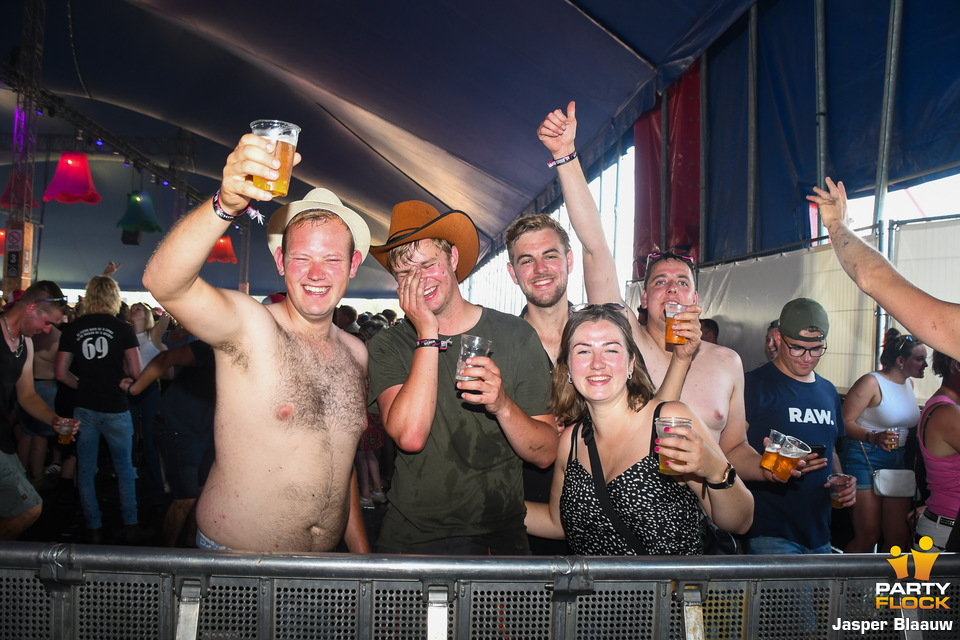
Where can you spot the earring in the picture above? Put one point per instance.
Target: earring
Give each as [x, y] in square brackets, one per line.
[569, 379]
[629, 375]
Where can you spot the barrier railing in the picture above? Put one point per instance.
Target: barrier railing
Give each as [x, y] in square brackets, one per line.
[74, 592]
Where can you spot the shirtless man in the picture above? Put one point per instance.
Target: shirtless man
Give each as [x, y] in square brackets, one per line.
[290, 384]
[714, 383]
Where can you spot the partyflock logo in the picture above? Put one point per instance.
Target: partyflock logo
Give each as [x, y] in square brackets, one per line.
[920, 593]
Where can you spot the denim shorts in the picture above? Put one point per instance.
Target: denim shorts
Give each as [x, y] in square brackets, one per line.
[47, 390]
[17, 495]
[855, 465]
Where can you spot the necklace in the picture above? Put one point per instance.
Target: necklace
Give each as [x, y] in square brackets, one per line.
[16, 354]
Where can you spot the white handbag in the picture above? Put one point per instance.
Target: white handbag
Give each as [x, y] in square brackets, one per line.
[892, 483]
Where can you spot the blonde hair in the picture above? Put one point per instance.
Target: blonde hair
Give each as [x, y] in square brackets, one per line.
[102, 296]
[148, 321]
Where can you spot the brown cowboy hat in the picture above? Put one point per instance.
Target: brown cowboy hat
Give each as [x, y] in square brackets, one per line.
[414, 220]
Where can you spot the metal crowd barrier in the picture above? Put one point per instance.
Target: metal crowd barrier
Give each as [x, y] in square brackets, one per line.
[77, 592]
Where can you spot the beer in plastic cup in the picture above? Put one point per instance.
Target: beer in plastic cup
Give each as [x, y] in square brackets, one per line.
[662, 424]
[892, 437]
[285, 135]
[791, 453]
[471, 347]
[65, 430]
[671, 309]
[838, 482]
[772, 450]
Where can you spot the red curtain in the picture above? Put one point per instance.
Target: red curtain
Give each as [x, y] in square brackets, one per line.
[683, 149]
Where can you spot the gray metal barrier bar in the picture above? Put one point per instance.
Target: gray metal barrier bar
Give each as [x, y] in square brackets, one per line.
[77, 592]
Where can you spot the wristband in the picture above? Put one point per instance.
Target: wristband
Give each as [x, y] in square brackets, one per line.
[564, 160]
[223, 215]
[433, 342]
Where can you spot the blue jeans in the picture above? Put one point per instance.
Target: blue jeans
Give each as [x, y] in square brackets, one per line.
[143, 411]
[117, 430]
[769, 544]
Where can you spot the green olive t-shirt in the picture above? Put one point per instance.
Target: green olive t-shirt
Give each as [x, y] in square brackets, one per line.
[467, 481]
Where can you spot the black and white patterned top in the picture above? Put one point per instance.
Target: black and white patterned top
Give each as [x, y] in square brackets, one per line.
[664, 514]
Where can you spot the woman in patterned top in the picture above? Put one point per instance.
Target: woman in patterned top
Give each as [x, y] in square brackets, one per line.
[600, 379]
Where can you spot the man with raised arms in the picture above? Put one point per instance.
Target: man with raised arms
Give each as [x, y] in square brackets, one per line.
[290, 384]
[935, 322]
[714, 382]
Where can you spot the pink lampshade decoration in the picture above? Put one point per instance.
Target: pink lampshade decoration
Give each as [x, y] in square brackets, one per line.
[15, 185]
[223, 251]
[72, 182]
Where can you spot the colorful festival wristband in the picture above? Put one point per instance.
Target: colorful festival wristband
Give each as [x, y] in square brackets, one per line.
[433, 342]
[223, 215]
[564, 160]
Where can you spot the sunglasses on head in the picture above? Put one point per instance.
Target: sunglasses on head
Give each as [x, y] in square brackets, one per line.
[653, 258]
[609, 306]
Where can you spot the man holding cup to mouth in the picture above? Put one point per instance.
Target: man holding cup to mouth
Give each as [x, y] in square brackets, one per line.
[457, 487]
[786, 395]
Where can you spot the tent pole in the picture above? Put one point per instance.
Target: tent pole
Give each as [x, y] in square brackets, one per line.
[752, 135]
[704, 155]
[664, 167]
[821, 68]
[886, 126]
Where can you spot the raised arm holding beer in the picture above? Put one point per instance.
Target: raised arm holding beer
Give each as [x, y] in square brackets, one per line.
[290, 384]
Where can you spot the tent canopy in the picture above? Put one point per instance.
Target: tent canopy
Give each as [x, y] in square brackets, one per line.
[428, 100]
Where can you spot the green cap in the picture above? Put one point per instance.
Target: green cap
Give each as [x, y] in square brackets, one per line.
[801, 314]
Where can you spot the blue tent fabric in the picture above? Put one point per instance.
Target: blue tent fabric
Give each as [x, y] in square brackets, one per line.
[437, 101]
[926, 130]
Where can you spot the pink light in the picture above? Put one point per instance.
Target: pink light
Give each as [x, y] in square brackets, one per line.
[72, 181]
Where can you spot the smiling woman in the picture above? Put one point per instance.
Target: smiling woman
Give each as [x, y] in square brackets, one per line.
[601, 390]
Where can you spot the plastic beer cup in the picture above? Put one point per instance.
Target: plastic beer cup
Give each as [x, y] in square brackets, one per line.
[285, 135]
[471, 347]
[661, 425]
[791, 453]
[772, 450]
[892, 437]
[838, 482]
[65, 430]
[671, 309]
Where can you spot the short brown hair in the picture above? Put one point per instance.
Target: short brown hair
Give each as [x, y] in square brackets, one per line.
[529, 224]
[656, 256]
[402, 252]
[315, 216]
[566, 402]
[47, 295]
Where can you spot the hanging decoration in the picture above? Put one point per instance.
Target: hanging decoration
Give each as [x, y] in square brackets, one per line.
[72, 182]
[139, 215]
[15, 185]
[223, 251]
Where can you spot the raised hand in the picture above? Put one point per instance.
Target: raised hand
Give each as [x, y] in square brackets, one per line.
[832, 202]
[410, 296]
[558, 131]
[687, 325]
[252, 157]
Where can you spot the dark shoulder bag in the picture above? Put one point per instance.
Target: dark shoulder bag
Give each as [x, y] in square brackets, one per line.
[600, 488]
